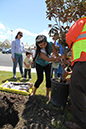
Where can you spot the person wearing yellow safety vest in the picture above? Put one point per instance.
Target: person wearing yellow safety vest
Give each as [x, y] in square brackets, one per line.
[76, 40]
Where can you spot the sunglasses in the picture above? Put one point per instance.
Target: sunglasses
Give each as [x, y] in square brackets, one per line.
[21, 35]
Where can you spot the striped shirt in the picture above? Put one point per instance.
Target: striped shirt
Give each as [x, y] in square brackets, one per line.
[17, 47]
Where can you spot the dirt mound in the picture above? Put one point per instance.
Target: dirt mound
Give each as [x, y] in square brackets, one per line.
[24, 112]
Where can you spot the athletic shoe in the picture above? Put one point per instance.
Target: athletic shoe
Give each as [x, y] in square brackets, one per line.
[14, 77]
[22, 75]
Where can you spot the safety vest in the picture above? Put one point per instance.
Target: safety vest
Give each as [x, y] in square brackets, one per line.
[79, 45]
[75, 31]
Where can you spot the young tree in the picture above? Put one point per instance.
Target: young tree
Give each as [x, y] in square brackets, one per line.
[64, 13]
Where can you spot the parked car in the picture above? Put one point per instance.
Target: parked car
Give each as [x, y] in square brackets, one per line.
[1, 48]
[8, 50]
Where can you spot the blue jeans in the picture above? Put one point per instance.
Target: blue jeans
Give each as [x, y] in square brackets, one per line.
[55, 72]
[60, 71]
[18, 59]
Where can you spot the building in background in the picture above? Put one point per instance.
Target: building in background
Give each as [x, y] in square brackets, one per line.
[7, 44]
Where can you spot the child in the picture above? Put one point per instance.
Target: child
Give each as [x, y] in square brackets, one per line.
[43, 62]
[27, 66]
[55, 65]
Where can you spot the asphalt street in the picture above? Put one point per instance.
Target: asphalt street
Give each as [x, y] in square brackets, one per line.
[6, 63]
[6, 60]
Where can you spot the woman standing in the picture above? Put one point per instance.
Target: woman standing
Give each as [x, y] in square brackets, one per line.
[17, 48]
[43, 62]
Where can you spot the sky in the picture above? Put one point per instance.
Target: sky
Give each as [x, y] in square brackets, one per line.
[28, 16]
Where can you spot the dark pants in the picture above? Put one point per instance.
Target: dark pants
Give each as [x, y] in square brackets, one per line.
[40, 70]
[27, 71]
[78, 93]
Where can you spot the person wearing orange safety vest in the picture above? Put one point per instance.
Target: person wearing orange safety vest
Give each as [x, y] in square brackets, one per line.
[76, 40]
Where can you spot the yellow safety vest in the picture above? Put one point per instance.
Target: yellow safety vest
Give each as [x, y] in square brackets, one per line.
[79, 45]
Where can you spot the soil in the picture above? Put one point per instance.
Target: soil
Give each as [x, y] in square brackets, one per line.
[27, 112]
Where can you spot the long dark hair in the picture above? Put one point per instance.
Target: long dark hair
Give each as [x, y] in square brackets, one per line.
[18, 34]
[38, 50]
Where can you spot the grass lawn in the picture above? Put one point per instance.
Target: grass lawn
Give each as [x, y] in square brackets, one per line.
[4, 76]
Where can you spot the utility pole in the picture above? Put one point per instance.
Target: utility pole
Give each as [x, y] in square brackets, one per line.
[11, 35]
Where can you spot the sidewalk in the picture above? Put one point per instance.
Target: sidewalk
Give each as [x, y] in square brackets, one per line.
[10, 69]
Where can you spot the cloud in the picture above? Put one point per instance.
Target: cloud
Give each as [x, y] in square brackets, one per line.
[25, 32]
[2, 27]
[3, 37]
[28, 36]
[1, 32]
[45, 32]
[28, 33]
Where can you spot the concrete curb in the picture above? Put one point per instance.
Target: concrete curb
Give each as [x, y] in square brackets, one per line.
[10, 69]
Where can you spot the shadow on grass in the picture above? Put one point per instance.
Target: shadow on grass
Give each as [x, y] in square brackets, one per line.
[15, 80]
[40, 112]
